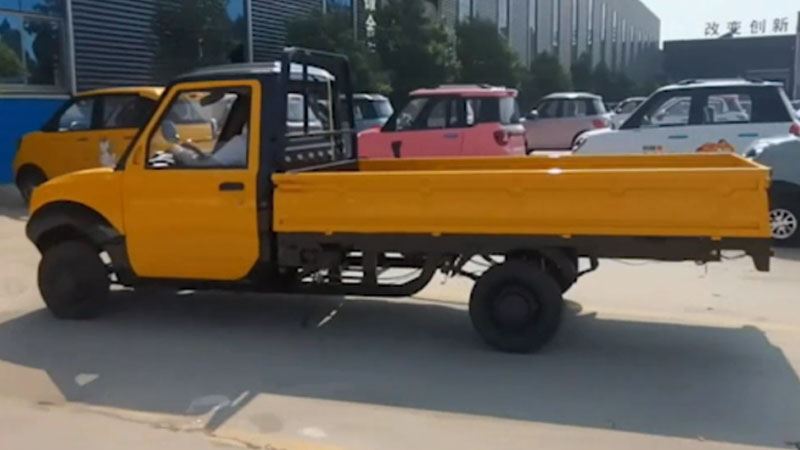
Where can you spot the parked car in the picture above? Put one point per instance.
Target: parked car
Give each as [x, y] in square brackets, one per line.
[624, 110]
[692, 115]
[560, 118]
[371, 111]
[466, 120]
[89, 128]
[782, 155]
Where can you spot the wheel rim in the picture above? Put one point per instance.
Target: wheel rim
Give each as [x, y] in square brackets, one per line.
[514, 308]
[784, 223]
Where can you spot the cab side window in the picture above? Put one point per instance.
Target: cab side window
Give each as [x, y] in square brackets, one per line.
[203, 129]
[125, 111]
[77, 116]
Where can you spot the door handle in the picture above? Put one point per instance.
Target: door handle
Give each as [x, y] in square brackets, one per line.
[679, 136]
[396, 148]
[231, 186]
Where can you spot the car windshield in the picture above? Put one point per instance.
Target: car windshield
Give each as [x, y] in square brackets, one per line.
[373, 109]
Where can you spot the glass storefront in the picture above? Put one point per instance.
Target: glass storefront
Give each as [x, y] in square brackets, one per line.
[32, 49]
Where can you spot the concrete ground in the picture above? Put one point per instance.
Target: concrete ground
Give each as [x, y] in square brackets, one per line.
[672, 356]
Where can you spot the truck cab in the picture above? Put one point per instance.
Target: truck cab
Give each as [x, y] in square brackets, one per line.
[280, 202]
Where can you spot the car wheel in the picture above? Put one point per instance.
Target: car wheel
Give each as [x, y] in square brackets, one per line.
[28, 180]
[73, 280]
[516, 307]
[784, 217]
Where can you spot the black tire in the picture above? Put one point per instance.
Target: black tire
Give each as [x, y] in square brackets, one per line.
[73, 280]
[28, 179]
[785, 220]
[516, 307]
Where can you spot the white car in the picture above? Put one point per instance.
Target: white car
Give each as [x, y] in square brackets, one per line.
[561, 117]
[625, 109]
[782, 155]
[696, 115]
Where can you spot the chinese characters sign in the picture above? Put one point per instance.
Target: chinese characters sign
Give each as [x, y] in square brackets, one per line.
[753, 27]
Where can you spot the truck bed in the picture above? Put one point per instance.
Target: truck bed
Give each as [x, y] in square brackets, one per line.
[701, 196]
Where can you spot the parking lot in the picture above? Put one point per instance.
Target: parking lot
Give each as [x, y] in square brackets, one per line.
[651, 355]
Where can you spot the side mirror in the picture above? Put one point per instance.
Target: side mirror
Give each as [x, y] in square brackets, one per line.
[170, 132]
[533, 115]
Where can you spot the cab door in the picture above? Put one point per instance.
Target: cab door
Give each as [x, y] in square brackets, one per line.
[196, 221]
[121, 116]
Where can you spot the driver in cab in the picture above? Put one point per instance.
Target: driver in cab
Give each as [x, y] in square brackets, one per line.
[230, 150]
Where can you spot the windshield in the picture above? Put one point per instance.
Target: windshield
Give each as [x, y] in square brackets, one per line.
[373, 109]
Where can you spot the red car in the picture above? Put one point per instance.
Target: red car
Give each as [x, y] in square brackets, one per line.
[449, 121]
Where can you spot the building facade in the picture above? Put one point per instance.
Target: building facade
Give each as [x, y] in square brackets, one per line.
[623, 34]
[771, 58]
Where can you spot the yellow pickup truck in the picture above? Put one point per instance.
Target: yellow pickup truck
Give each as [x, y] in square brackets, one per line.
[279, 204]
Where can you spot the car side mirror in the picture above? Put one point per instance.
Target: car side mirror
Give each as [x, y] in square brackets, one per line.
[170, 132]
[533, 115]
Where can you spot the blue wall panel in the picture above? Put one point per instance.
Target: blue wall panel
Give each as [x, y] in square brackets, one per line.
[20, 116]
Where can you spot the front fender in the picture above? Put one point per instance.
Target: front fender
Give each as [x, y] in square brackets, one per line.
[66, 215]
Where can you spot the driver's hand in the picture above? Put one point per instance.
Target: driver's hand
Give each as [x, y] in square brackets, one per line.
[162, 160]
[182, 155]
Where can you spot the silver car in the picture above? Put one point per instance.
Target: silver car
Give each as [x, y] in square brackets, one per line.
[625, 108]
[782, 155]
[560, 118]
[371, 110]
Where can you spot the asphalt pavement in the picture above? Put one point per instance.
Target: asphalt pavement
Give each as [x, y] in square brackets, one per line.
[650, 355]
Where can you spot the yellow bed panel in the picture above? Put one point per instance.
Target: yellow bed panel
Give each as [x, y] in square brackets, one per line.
[717, 196]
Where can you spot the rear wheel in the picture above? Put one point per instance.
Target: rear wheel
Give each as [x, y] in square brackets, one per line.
[784, 217]
[73, 280]
[516, 307]
[28, 180]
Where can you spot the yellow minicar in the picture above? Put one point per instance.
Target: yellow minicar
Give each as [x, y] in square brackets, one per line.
[90, 130]
[271, 197]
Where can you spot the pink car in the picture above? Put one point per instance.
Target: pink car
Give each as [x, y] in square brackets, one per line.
[449, 121]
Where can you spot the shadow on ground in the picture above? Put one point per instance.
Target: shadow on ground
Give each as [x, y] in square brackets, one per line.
[11, 204]
[791, 254]
[159, 353]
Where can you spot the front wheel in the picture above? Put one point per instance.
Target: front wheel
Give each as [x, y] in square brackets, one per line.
[516, 307]
[73, 280]
[784, 217]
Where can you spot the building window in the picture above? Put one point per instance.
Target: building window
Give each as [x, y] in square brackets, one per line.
[590, 25]
[556, 19]
[337, 5]
[32, 45]
[574, 23]
[533, 17]
[624, 40]
[502, 18]
[464, 10]
[190, 35]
